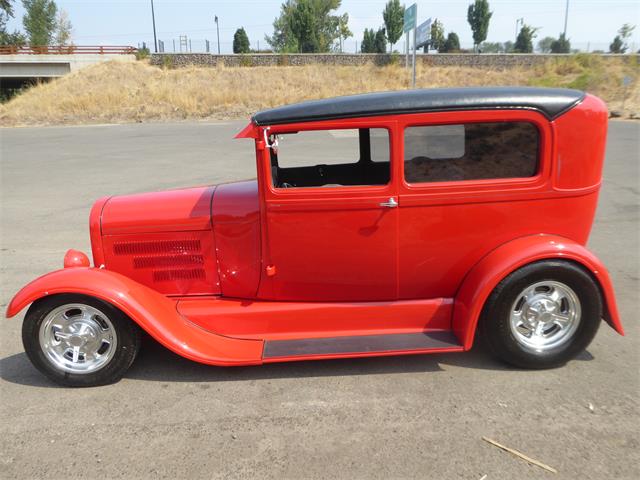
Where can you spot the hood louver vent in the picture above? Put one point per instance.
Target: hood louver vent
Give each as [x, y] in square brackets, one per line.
[169, 260]
[155, 247]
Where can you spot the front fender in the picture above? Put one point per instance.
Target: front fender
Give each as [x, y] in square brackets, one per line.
[154, 312]
[488, 272]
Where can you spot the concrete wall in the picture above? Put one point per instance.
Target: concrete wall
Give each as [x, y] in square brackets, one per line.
[441, 59]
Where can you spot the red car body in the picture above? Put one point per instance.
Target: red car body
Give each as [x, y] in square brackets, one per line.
[247, 273]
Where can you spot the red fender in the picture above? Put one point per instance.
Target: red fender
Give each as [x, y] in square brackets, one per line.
[154, 312]
[488, 272]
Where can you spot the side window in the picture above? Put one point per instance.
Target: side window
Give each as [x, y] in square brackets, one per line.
[473, 151]
[331, 158]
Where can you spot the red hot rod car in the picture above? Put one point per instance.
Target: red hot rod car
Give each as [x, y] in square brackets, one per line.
[379, 224]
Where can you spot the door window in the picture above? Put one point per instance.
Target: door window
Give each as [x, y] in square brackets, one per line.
[331, 158]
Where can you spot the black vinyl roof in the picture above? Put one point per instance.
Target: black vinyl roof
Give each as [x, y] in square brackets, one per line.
[552, 102]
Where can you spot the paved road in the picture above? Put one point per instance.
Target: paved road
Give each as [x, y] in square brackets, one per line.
[416, 416]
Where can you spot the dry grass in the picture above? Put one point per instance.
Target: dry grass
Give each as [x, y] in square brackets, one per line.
[133, 92]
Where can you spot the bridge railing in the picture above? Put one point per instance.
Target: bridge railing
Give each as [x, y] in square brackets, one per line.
[67, 50]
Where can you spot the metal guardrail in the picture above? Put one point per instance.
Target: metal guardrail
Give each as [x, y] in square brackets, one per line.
[67, 50]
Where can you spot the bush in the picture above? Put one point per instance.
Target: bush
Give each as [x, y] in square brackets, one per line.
[142, 53]
[582, 71]
[167, 61]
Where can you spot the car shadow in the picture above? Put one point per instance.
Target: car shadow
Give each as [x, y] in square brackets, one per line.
[157, 364]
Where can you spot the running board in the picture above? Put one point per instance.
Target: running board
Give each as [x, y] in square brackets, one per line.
[364, 345]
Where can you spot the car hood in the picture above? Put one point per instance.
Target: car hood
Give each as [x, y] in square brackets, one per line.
[181, 210]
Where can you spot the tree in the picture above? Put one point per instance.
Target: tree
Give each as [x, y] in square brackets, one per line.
[625, 32]
[451, 44]
[393, 15]
[6, 38]
[63, 28]
[343, 29]
[544, 45]
[524, 41]
[620, 42]
[478, 16]
[283, 40]
[380, 41]
[561, 45]
[368, 41]
[40, 21]
[437, 36]
[492, 47]
[374, 41]
[509, 46]
[241, 41]
[305, 26]
[617, 46]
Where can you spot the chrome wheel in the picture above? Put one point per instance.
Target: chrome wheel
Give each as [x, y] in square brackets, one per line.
[545, 315]
[77, 338]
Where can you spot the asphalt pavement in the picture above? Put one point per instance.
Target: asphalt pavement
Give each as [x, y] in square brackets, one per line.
[402, 417]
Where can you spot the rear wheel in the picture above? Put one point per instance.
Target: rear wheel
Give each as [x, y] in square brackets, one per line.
[79, 341]
[542, 315]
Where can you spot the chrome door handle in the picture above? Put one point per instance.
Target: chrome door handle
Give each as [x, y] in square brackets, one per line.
[391, 203]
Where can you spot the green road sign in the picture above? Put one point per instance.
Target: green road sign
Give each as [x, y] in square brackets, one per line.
[410, 16]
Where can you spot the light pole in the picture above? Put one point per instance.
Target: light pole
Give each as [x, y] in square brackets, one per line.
[153, 19]
[218, 33]
[566, 16]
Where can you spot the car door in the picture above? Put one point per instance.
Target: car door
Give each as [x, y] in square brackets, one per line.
[330, 209]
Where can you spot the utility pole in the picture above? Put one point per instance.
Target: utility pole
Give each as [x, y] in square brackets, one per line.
[153, 19]
[566, 16]
[218, 33]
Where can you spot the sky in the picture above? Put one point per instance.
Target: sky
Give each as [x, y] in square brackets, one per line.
[592, 24]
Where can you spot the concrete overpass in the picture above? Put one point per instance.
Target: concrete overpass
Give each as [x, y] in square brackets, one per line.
[19, 65]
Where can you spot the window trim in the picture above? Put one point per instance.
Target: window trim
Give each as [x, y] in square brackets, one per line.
[453, 190]
[274, 193]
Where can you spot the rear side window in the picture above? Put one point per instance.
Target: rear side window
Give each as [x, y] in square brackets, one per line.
[473, 151]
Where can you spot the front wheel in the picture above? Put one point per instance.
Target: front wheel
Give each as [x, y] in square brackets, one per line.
[79, 341]
[542, 315]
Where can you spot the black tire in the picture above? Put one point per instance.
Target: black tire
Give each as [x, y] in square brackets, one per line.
[126, 349]
[495, 321]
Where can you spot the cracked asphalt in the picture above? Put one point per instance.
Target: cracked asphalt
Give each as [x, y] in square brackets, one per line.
[404, 417]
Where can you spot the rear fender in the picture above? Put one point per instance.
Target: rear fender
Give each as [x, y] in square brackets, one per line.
[488, 272]
[154, 312]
